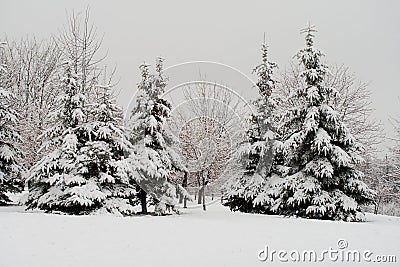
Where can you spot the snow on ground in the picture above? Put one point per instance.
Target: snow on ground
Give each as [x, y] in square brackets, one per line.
[194, 238]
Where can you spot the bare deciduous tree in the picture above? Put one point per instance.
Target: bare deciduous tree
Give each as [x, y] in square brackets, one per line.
[209, 124]
[381, 176]
[32, 76]
[34, 71]
[81, 45]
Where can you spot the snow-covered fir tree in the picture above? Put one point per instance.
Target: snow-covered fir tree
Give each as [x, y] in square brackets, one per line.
[83, 170]
[155, 160]
[103, 158]
[318, 151]
[258, 150]
[10, 169]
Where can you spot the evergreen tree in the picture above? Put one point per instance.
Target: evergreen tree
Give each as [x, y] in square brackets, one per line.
[318, 150]
[155, 160]
[257, 151]
[10, 170]
[55, 184]
[83, 170]
[103, 158]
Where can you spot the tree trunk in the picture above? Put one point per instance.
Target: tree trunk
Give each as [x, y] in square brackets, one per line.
[184, 184]
[204, 199]
[143, 200]
[204, 193]
[377, 204]
[200, 195]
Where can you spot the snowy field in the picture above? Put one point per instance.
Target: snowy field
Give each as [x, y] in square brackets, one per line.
[194, 238]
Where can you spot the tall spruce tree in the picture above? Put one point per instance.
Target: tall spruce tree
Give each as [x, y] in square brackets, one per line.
[155, 160]
[10, 169]
[81, 171]
[321, 156]
[257, 152]
[105, 156]
[55, 183]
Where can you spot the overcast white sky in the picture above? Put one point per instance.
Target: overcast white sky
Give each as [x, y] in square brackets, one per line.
[362, 34]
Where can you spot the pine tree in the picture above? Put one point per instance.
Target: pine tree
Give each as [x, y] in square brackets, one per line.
[55, 184]
[10, 169]
[83, 170]
[257, 151]
[321, 156]
[156, 162]
[104, 158]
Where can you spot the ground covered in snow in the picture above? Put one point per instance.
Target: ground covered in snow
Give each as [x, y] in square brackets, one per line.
[194, 238]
